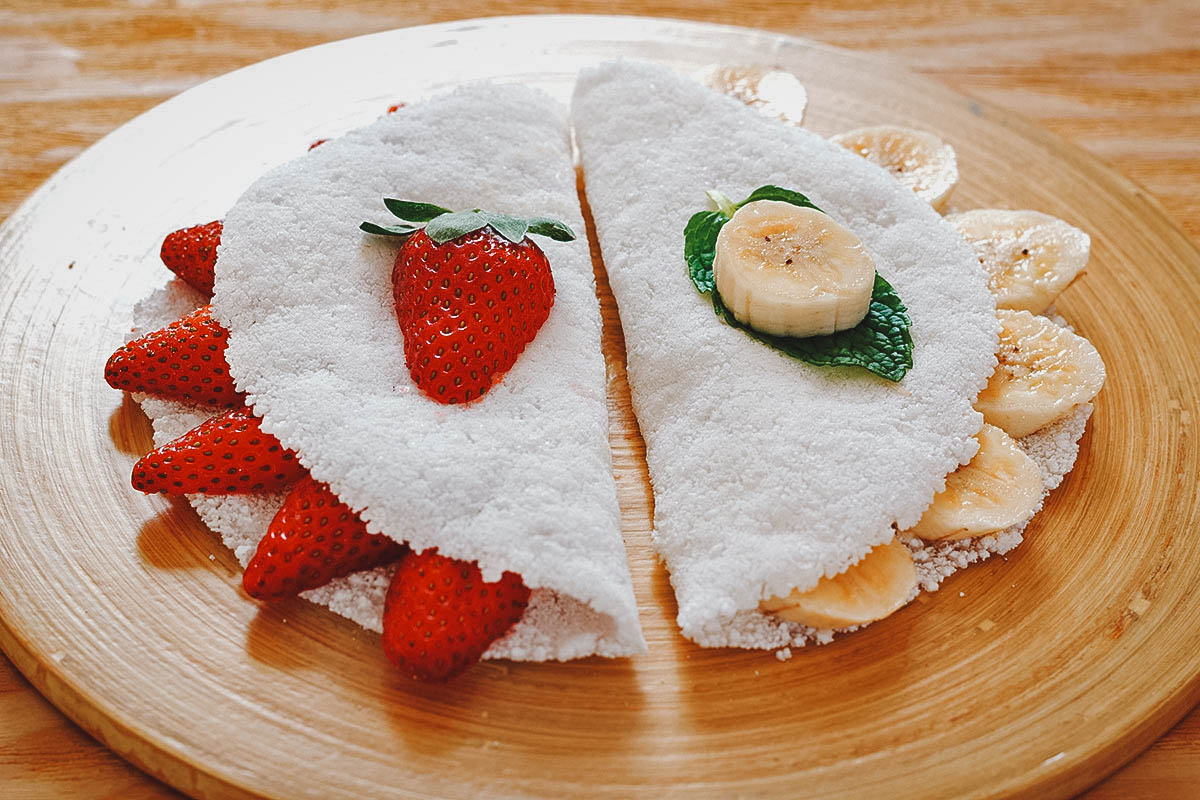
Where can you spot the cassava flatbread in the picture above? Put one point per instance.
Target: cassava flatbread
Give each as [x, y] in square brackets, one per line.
[769, 473]
[520, 480]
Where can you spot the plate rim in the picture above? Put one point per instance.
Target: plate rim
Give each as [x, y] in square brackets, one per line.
[122, 735]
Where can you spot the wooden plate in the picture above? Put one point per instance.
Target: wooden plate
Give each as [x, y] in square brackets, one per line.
[1033, 675]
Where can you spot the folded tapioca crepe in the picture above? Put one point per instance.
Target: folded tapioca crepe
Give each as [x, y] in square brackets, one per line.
[519, 480]
[769, 473]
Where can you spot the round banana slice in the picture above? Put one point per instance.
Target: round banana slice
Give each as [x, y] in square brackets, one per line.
[919, 159]
[1030, 257]
[999, 488]
[1045, 371]
[792, 271]
[883, 581]
[775, 92]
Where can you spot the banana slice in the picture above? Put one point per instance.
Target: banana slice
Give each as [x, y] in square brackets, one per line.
[792, 271]
[775, 92]
[999, 488]
[1030, 257]
[919, 159]
[870, 590]
[1045, 371]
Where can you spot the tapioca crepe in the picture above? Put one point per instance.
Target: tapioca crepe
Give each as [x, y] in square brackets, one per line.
[769, 473]
[520, 480]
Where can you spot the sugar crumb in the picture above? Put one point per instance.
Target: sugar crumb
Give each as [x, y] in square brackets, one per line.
[1140, 605]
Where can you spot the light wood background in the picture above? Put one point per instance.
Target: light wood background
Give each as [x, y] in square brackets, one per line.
[1122, 80]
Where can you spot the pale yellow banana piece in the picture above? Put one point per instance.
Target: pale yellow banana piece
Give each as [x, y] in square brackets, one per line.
[775, 92]
[792, 271]
[883, 581]
[1000, 487]
[918, 159]
[1029, 257]
[1045, 371]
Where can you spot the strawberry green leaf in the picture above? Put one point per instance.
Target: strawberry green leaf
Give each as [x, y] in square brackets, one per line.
[442, 225]
[451, 226]
[414, 212]
[881, 343]
[511, 228]
[389, 230]
[552, 228]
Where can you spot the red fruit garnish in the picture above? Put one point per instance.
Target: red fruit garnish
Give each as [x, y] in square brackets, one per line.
[313, 539]
[191, 253]
[439, 616]
[183, 361]
[228, 454]
[471, 291]
[395, 108]
[467, 309]
[317, 144]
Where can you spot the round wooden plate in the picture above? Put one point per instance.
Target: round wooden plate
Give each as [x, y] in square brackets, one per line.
[1033, 675]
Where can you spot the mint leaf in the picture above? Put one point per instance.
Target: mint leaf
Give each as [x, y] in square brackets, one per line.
[511, 228]
[777, 193]
[389, 230]
[881, 343]
[552, 228]
[700, 246]
[414, 212]
[721, 202]
[451, 226]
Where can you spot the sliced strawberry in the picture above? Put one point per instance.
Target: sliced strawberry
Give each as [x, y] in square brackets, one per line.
[191, 253]
[439, 616]
[228, 454]
[183, 361]
[313, 539]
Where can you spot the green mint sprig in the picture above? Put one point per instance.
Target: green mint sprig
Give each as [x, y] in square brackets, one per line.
[442, 224]
[881, 343]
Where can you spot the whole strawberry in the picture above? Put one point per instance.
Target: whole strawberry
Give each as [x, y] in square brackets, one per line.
[471, 291]
[183, 361]
[191, 253]
[440, 616]
[228, 454]
[314, 538]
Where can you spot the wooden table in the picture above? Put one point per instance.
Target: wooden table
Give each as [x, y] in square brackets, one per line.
[1120, 79]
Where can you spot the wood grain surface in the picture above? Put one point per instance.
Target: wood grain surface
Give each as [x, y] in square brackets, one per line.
[1120, 80]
